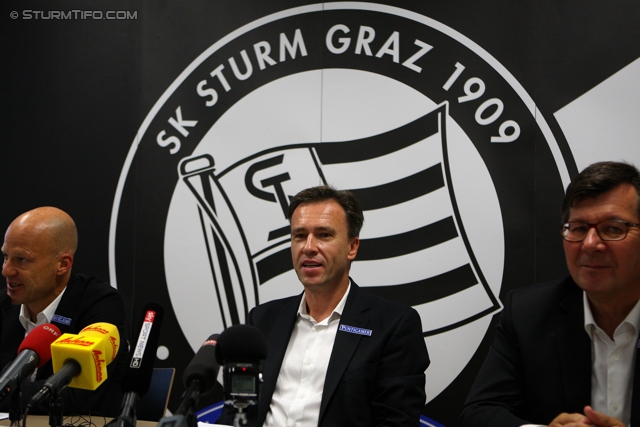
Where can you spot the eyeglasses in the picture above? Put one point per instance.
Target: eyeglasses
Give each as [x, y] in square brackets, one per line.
[611, 230]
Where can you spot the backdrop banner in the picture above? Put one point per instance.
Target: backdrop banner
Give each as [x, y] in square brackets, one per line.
[176, 133]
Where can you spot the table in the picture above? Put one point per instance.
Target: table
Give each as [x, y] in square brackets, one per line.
[43, 421]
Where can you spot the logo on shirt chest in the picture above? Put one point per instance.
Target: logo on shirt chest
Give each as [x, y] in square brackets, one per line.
[61, 319]
[354, 330]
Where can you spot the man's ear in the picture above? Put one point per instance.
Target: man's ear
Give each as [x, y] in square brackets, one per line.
[64, 264]
[353, 250]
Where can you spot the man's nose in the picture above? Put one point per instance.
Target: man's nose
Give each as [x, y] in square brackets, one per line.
[592, 241]
[7, 269]
[310, 245]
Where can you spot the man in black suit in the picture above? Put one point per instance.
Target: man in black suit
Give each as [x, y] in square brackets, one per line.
[565, 352]
[39, 248]
[336, 355]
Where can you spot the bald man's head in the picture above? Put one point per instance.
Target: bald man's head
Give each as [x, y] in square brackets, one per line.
[54, 226]
[38, 250]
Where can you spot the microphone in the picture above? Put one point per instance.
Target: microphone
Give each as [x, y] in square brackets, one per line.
[79, 361]
[34, 352]
[241, 348]
[200, 375]
[108, 332]
[200, 378]
[137, 379]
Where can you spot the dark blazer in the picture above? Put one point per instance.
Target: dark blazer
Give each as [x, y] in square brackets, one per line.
[371, 380]
[540, 362]
[86, 300]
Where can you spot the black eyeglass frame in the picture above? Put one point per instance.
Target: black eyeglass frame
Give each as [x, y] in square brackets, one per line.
[565, 227]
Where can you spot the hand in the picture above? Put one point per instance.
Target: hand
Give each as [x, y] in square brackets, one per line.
[598, 419]
[571, 420]
[590, 418]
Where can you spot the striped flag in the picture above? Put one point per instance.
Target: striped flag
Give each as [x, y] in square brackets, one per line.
[413, 246]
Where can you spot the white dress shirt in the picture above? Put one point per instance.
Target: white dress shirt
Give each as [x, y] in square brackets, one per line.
[298, 392]
[43, 317]
[613, 363]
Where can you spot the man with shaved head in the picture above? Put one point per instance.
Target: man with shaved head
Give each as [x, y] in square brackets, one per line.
[38, 250]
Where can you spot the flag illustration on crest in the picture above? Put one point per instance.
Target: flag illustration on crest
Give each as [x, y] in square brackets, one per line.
[413, 226]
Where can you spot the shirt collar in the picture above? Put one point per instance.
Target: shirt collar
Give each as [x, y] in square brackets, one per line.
[633, 318]
[43, 317]
[302, 308]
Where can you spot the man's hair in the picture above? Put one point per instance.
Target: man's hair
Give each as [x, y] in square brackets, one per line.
[344, 198]
[597, 179]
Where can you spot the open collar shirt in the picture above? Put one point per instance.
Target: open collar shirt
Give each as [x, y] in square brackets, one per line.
[298, 393]
[613, 363]
[43, 317]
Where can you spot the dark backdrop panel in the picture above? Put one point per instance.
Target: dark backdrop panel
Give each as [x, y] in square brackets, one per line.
[74, 92]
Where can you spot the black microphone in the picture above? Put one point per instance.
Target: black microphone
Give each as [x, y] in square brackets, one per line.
[241, 349]
[137, 378]
[241, 343]
[200, 377]
[34, 352]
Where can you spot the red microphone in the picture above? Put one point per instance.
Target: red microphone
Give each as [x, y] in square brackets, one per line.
[34, 352]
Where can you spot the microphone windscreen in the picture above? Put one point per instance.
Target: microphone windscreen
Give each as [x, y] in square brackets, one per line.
[138, 375]
[203, 366]
[241, 343]
[5, 301]
[108, 332]
[39, 340]
[92, 352]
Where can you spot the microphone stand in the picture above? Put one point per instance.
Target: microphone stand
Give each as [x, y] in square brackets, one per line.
[240, 419]
[15, 409]
[128, 417]
[184, 416]
[55, 409]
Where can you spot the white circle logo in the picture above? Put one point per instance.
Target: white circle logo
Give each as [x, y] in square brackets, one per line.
[431, 133]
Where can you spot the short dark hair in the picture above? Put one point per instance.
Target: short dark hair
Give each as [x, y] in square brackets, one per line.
[344, 198]
[597, 179]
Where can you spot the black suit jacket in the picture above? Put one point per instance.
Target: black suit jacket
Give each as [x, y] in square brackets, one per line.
[371, 380]
[540, 362]
[86, 300]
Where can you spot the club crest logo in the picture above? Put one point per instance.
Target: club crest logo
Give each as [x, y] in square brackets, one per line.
[433, 135]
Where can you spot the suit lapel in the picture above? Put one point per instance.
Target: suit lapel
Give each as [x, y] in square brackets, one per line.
[277, 347]
[573, 341]
[355, 314]
[67, 307]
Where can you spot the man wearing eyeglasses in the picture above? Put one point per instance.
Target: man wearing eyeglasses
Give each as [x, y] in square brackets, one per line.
[565, 352]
